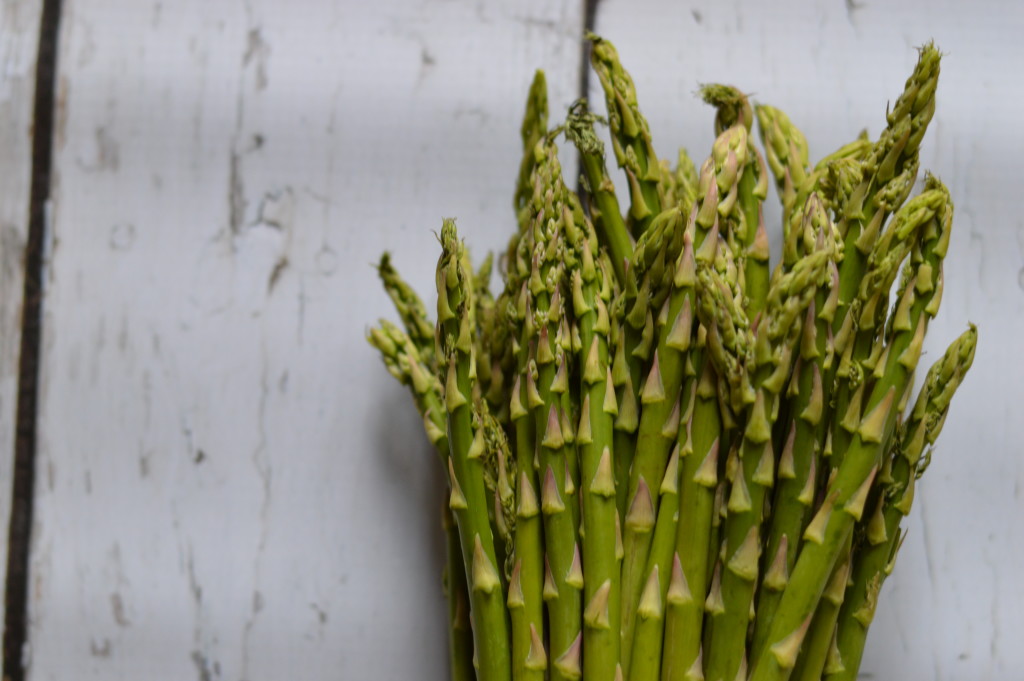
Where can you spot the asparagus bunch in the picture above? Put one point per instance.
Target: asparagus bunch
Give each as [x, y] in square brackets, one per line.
[666, 461]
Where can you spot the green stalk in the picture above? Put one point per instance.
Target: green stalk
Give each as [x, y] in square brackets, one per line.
[410, 309]
[648, 633]
[688, 584]
[749, 234]
[591, 294]
[547, 384]
[799, 457]
[786, 152]
[649, 628]
[660, 399]
[753, 474]
[605, 211]
[401, 356]
[626, 367]
[847, 491]
[460, 639]
[729, 350]
[517, 331]
[889, 172]
[633, 335]
[468, 495]
[874, 561]
[631, 136]
[821, 636]
[534, 128]
[525, 601]
[857, 346]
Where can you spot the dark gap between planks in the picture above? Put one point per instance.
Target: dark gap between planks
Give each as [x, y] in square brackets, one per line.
[589, 23]
[23, 484]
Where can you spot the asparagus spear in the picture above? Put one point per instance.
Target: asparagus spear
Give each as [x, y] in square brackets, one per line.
[563, 568]
[820, 639]
[631, 136]
[516, 332]
[786, 151]
[526, 607]
[856, 346]
[699, 442]
[798, 459]
[468, 496]
[702, 438]
[658, 397]
[889, 172]
[751, 238]
[401, 356]
[776, 337]
[847, 490]
[460, 631]
[874, 561]
[611, 229]
[410, 309]
[686, 183]
[534, 127]
[591, 294]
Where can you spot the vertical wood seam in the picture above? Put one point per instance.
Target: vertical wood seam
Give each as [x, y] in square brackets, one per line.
[16, 588]
[589, 23]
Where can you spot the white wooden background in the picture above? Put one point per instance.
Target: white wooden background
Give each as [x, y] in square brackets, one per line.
[229, 484]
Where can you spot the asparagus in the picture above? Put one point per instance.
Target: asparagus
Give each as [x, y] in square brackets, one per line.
[607, 215]
[753, 474]
[856, 346]
[524, 599]
[700, 442]
[553, 434]
[631, 136]
[658, 397]
[685, 184]
[750, 239]
[889, 172]
[534, 127]
[468, 497]
[410, 309]
[847, 491]
[401, 356]
[814, 655]
[799, 459]
[786, 151]
[662, 462]
[591, 294]
[874, 563]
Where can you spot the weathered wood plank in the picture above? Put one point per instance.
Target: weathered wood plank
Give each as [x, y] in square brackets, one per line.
[19, 41]
[946, 613]
[230, 486]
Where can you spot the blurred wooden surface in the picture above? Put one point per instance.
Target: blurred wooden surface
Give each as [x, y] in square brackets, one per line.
[229, 484]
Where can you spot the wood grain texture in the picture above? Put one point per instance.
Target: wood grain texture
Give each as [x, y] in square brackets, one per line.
[231, 487]
[19, 40]
[949, 611]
